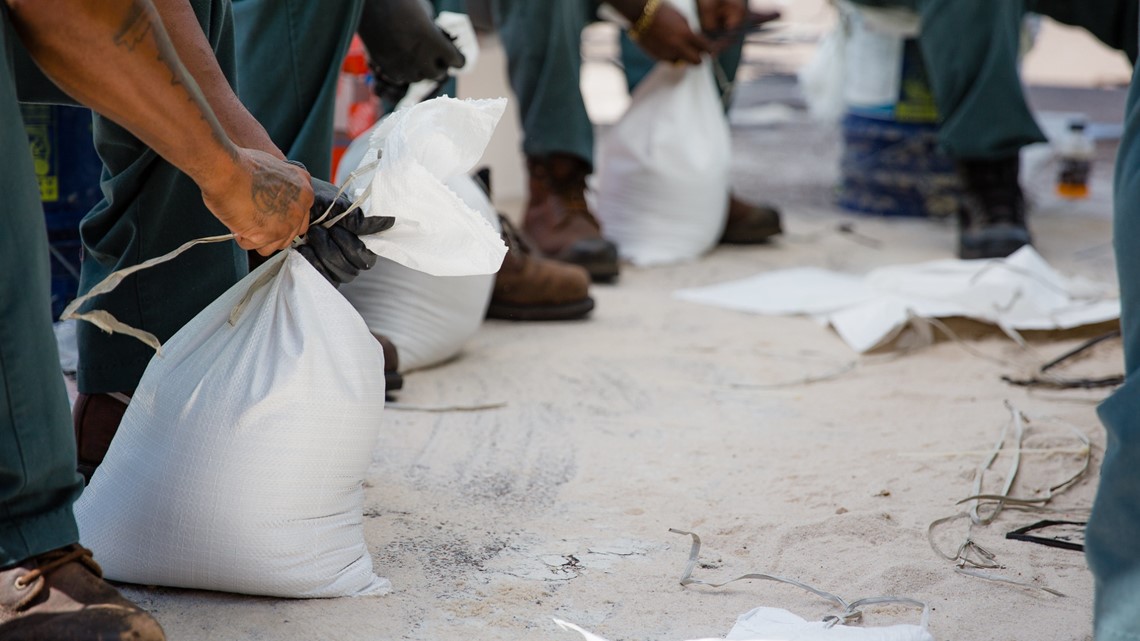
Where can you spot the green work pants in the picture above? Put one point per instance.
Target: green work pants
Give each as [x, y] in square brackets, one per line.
[150, 208]
[543, 42]
[970, 48]
[38, 483]
[289, 54]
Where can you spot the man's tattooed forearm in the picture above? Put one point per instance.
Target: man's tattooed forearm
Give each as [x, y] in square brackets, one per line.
[273, 192]
[142, 23]
[136, 25]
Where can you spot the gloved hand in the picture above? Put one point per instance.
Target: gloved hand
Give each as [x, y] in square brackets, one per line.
[337, 252]
[403, 43]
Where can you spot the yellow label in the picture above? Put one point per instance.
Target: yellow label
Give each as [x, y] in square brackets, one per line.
[37, 122]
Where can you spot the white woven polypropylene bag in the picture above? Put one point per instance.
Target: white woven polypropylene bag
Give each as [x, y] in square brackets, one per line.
[663, 169]
[239, 463]
[428, 318]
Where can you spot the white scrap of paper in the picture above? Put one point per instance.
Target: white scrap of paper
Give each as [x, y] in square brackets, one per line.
[775, 624]
[1021, 292]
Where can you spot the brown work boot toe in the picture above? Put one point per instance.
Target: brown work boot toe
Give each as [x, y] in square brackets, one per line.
[598, 256]
[749, 224]
[530, 288]
[61, 596]
[559, 221]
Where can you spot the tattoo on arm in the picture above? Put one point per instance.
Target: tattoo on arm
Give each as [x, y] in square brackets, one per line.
[142, 21]
[273, 192]
[135, 27]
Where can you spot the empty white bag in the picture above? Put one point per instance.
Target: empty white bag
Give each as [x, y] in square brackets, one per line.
[238, 465]
[663, 169]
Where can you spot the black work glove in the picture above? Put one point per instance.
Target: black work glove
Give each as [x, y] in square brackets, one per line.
[337, 252]
[403, 43]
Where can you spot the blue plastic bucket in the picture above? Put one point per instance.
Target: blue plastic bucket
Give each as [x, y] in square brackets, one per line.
[67, 169]
[891, 163]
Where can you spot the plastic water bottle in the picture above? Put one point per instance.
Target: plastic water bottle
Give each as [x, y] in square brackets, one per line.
[1075, 151]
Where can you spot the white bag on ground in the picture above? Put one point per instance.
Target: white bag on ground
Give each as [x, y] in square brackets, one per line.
[240, 461]
[428, 318]
[663, 169]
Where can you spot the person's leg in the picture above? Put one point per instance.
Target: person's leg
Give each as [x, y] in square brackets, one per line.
[543, 43]
[543, 46]
[50, 589]
[38, 482]
[149, 208]
[289, 54]
[970, 49]
[1111, 539]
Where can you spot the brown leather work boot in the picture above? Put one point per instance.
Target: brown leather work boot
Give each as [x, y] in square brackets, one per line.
[749, 224]
[96, 418]
[558, 220]
[531, 288]
[61, 596]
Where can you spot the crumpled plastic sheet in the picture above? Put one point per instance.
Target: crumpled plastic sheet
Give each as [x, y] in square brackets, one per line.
[775, 624]
[1021, 292]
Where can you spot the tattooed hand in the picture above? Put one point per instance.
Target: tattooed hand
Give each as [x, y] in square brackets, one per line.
[265, 203]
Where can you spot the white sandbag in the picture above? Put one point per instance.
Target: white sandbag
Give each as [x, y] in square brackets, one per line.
[418, 150]
[428, 318]
[239, 462]
[663, 169]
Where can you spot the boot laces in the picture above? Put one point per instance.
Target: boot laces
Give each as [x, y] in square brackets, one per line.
[60, 559]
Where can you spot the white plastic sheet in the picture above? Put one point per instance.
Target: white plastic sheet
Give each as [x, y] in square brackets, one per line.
[1021, 292]
[774, 624]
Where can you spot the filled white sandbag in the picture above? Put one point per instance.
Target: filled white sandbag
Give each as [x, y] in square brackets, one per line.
[239, 462]
[428, 318]
[663, 169]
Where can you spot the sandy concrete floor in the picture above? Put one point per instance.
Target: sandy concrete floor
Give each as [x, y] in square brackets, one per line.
[659, 414]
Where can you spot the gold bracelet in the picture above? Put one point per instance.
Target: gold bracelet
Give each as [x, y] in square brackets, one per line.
[646, 19]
